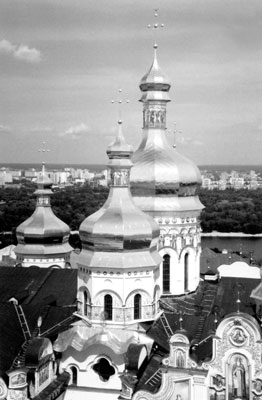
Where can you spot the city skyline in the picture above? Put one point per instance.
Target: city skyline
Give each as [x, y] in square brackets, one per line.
[62, 63]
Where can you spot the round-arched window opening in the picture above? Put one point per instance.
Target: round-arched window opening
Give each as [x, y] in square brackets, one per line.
[104, 369]
[73, 375]
[166, 273]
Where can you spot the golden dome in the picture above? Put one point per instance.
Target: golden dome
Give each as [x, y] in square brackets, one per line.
[120, 234]
[161, 177]
[160, 170]
[43, 233]
[155, 78]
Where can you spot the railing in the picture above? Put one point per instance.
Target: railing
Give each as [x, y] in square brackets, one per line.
[122, 314]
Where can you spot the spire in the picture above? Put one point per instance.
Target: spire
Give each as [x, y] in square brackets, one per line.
[119, 152]
[43, 181]
[155, 84]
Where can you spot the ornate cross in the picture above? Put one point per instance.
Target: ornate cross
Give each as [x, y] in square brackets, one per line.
[119, 101]
[44, 150]
[155, 26]
[175, 131]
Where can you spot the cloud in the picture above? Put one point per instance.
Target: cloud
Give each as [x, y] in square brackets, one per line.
[41, 129]
[7, 47]
[20, 52]
[76, 131]
[183, 140]
[5, 129]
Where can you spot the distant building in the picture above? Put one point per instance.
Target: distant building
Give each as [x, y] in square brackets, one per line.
[30, 174]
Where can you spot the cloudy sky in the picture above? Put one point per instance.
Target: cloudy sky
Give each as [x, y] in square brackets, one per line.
[62, 62]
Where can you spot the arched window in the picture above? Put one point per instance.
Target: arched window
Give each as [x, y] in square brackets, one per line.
[85, 302]
[108, 307]
[166, 274]
[73, 376]
[180, 362]
[186, 272]
[137, 306]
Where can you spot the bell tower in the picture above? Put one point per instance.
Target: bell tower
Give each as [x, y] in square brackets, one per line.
[164, 184]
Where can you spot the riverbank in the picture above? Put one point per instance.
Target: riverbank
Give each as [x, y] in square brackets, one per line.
[230, 234]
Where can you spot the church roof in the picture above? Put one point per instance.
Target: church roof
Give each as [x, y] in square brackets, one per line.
[210, 260]
[199, 311]
[35, 285]
[50, 294]
[203, 303]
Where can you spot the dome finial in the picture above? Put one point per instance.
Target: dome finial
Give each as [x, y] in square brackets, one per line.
[155, 26]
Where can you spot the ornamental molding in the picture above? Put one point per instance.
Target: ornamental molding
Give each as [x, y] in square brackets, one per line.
[238, 335]
[176, 220]
[166, 390]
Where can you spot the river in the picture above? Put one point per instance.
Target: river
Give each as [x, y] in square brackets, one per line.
[246, 244]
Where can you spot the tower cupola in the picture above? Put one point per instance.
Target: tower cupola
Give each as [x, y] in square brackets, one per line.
[155, 84]
[43, 237]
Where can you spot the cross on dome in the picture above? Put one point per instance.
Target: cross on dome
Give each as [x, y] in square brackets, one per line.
[174, 133]
[43, 150]
[119, 102]
[155, 26]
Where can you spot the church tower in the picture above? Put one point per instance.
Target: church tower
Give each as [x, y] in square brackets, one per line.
[118, 278]
[118, 287]
[43, 238]
[164, 184]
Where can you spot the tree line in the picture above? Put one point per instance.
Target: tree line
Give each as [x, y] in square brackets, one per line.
[225, 211]
[232, 210]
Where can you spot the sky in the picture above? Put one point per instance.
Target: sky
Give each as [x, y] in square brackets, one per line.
[63, 61]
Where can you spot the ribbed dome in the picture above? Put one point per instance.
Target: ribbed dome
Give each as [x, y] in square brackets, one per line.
[41, 225]
[160, 170]
[120, 227]
[43, 233]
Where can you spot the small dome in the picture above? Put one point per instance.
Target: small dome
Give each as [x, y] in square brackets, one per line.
[43, 233]
[42, 224]
[43, 181]
[155, 79]
[119, 148]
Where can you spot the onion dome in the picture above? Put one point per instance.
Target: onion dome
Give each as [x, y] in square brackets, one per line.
[155, 83]
[43, 233]
[159, 170]
[119, 234]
